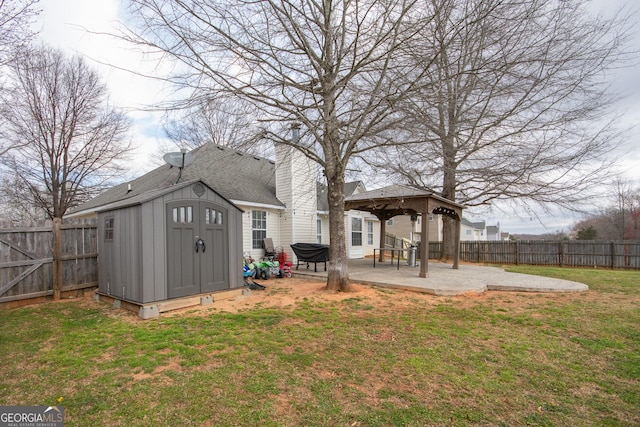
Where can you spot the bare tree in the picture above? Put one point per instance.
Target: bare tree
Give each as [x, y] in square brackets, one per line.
[633, 228]
[330, 66]
[226, 122]
[15, 205]
[626, 214]
[16, 17]
[620, 218]
[515, 106]
[67, 137]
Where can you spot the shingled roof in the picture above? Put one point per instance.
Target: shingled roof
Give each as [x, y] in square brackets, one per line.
[234, 175]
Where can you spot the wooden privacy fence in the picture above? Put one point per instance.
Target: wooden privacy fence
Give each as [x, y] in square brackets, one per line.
[565, 253]
[26, 260]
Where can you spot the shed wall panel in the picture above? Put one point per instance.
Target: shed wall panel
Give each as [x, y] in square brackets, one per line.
[149, 250]
[125, 245]
[158, 289]
[119, 272]
[236, 278]
[154, 251]
[106, 253]
[136, 252]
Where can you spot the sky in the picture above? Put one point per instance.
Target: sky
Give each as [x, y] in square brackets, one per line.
[64, 24]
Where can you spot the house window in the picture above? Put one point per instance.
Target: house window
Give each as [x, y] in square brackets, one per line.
[369, 233]
[318, 230]
[108, 228]
[468, 232]
[356, 231]
[258, 228]
[431, 217]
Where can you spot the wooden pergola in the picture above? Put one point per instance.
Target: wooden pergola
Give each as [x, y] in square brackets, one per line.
[388, 202]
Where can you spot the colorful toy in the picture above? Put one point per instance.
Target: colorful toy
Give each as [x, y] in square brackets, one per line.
[286, 265]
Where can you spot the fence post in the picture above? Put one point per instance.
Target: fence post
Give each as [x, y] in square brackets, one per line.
[613, 255]
[517, 252]
[57, 258]
[560, 253]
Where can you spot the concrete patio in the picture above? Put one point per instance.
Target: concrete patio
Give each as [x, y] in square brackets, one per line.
[443, 280]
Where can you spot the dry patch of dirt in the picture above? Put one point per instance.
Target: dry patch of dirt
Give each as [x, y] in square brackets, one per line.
[287, 293]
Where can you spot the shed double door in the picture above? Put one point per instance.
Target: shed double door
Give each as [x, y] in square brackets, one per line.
[197, 248]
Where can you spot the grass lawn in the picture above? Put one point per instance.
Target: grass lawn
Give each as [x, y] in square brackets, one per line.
[399, 359]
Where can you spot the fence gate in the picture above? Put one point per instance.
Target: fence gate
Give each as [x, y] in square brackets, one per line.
[26, 261]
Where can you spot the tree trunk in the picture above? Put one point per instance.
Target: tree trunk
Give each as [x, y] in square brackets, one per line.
[448, 238]
[338, 274]
[449, 192]
[57, 258]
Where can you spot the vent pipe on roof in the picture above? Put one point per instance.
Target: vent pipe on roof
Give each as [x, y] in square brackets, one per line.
[128, 188]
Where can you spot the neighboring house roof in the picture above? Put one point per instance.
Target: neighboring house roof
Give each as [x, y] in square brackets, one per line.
[493, 229]
[234, 175]
[349, 189]
[477, 225]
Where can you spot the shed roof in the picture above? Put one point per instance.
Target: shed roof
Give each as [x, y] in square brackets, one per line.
[233, 175]
[152, 194]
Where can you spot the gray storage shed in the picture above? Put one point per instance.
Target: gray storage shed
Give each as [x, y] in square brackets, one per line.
[168, 243]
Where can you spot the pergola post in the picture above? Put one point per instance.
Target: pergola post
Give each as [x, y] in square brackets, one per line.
[424, 243]
[456, 249]
[383, 233]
